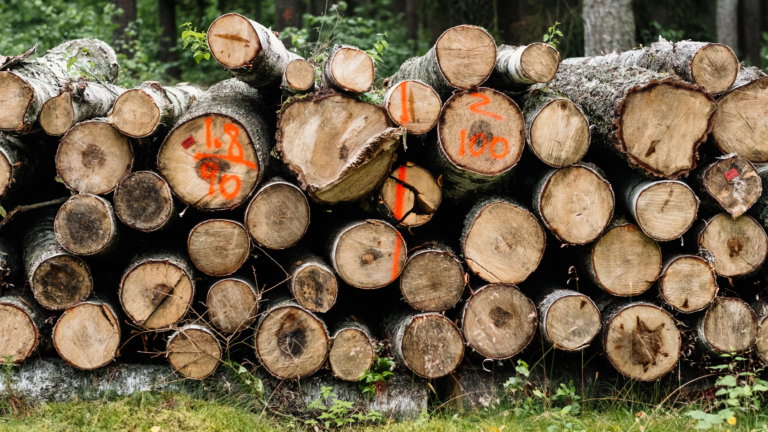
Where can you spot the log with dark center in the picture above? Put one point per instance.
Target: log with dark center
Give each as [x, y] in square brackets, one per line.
[687, 283]
[664, 209]
[233, 304]
[569, 320]
[739, 127]
[739, 246]
[352, 349]
[19, 162]
[519, 67]
[413, 105]
[729, 325]
[433, 279]
[144, 201]
[193, 351]
[86, 225]
[410, 196]
[87, 336]
[151, 108]
[22, 323]
[299, 77]
[348, 69]
[278, 215]
[313, 283]
[78, 100]
[730, 183]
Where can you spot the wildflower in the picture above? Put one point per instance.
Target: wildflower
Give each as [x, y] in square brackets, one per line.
[732, 421]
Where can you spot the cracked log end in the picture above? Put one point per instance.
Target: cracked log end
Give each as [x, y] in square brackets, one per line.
[688, 284]
[466, 55]
[87, 336]
[433, 280]
[218, 247]
[626, 262]
[666, 209]
[432, 345]
[143, 201]
[156, 294]
[299, 76]
[715, 67]
[370, 254]
[351, 354]
[571, 322]
[740, 126]
[233, 304]
[739, 245]
[413, 105]
[194, 352]
[233, 41]
[729, 325]
[734, 184]
[20, 343]
[540, 62]
[560, 134]
[278, 215]
[135, 114]
[411, 195]
[16, 96]
[61, 282]
[314, 287]
[58, 115]
[85, 225]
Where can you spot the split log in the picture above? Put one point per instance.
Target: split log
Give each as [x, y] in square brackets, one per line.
[193, 351]
[687, 283]
[313, 283]
[761, 342]
[144, 201]
[150, 108]
[93, 157]
[729, 325]
[348, 69]
[433, 279]
[739, 128]
[157, 289]
[233, 304]
[710, 65]
[59, 280]
[410, 196]
[575, 203]
[87, 336]
[299, 77]
[569, 320]
[655, 123]
[22, 323]
[78, 100]
[218, 151]
[278, 215]
[218, 247]
[739, 246]
[368, 254]
[291, 341]
[27, 85]
[640, 339]
[731, 183]
[663, 209]
[86, 225]
[352, 350]
[340, 149]
[624, 261]
[413, 105]
[463, 58]
[519, 67]
[502, 241]
[428, 344]
[18, 164]
[498, 321]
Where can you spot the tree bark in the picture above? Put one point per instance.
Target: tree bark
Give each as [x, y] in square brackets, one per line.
[519, 67]
[761, 343]
[168, 38]
[278, 215]
[739, 246]
[752, 33]
[739, 128]
[352, 349]
[150, 109]
[412, 23]
[21, 315]
[77, 101]
[433, 279]
[413, 105]
[664, 209]
[409, 197]
[218, 247]
[348, 69]
[687, 283]
[233, 304]
[193, 351]
[313, 283]
[730, 183]
[144, 201]
[727, 13]
[87, 225]
[18, 165]
[729, 325]
[608, 26]
[569, 320]
[87, 336]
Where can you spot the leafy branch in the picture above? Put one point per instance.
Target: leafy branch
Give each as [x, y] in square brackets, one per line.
[197, 42]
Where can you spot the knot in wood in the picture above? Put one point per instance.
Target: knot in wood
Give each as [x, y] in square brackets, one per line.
[368, 258]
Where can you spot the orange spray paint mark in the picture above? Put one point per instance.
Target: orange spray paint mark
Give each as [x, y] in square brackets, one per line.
[404, 102]
[475, 107]
[399, 195]
[208, 171]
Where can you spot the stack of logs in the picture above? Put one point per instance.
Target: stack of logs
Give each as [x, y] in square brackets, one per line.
[431, 211]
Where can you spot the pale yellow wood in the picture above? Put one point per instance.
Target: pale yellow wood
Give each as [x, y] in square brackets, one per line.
[135, 111]
[351, 354]
[688, 284]
[300, 74]
[730, 325]
[466, 55]
[715, 67]
[278, 216]
[560, 134]
[87, 336]
[58, 114]
[218, 247]
[233, 41]
[155, 294]
[572, 322]
[15, 98]
[666, 210]
[370, 255]
[352, 69]
[421, 109]
[739, 245]
[232, 305]
[432, 346]
[18, 338]
[6, 174]
[194, 353]
[539, 62]
[419, 193]
[626, 261]
[740, 126]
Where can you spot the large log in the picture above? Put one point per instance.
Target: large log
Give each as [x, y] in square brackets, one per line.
[739, 246]
[78, 100]
[18, 164]
[23, 325]
[569, 320]
[410, 196]
[278, 215]
[519, 67]
[86, 225]
[218, 151]
[729, 325]
[352, 352]
[433, 279]
[299, 77]
[340, 149]
[193, 351]
[218, 247]
[313, 283]
[739, 128]
[28, 84]
[144, 201]
[348, 69]
[656, 123]
[87, 336]
[687, 283]
[664, 209]
[502, 241]
[413, 105]
[150, 108]
[730, 183]
[233, 304]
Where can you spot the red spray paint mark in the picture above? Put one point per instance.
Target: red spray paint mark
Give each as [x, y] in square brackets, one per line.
[732, 174]
[399, 195]
[189, 142]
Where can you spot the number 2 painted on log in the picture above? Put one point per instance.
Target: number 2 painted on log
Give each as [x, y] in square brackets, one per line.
[235, 154]
[475, 108]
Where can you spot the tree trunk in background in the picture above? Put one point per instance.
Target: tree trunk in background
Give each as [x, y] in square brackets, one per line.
[168, 53]
[727, 22]
[412, 24]
[287, 14]
[257, 10]
[751, 35]
[609, 25]
[122, 20]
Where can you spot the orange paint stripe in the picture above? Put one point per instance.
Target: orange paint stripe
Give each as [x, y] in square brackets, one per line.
[399, 195]
[404, 102]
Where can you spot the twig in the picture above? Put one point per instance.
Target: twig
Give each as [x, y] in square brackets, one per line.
[24, 208]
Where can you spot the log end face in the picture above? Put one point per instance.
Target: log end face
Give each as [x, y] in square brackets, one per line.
[626, 262]
[729, 325]
[352, 69]
[143, 201]
[218, 247]
[715, 67]
[20, 343]
[278, 216]
[291, 343]
[16, 96]
[233, 41]
[432, 346]
[315, 288]
[688, 284]
[85, 225]
[58, 115]
[666, 210]
[466, 55]
[156, 294]
[540, 62]
[560, 134]
[432, 281]
[411, 195]
[232, 305]
[300, 75]
[739, 126]
[370, 255]
[87, 336]
[573, 322]
[351, 354]
[739, 245]
[413, 105]
[194, 352]
[61, 282]
[735, 184]
[135, 114]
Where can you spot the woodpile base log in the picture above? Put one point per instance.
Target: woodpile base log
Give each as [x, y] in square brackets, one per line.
[731, 184]
[433, 279]
[218, 247]
[687, 283]
[86, 225]
[569, 320]
[729, 325]
[144, 201]
[22, 323]
[233, 304]
[410, 196]
[193, 351]
[87, 336]
[278, 215]
[352, 350]
[368, 254]
[739, 246]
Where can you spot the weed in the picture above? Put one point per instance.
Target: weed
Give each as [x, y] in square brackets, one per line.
[380, 370]
[551, 37]
[197, 42]
[338, 413]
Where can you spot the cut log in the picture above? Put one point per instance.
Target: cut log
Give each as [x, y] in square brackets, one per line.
[278, 215]
[291, 342]
[624, 261]
[739, 246]
[463, 57]
[368, 254]
[502, 241]
[27, 85]
[687, 283]
[86, 225]
[663, 209]
[729, 325]
[313, 283]
[87, 336]
[710, 65]
[739, 128]
[655, 123]
[761, 343]
[218, 151]
[433, 279]
[640, 339]
[18, 164]
[481, 136]
[352, 350]
[150, 108]
[428, 344]
[413, 105]
[157, 289]
[569, 320]
[519, 67]
[77, 101]
[59, 280]
[410, 196]
[498, 321]
[193, 351]
[233, 304]
[340, 149]
[218, 247]
[22, 323]
[348, 69]
[299, 77]
[93, 157]
[575, 203]
[144, 201]
[730, 183]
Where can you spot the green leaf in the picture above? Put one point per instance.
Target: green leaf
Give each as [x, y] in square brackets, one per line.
[3, 213]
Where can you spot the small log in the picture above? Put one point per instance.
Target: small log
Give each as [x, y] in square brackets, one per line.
[278, 215]
[352, 350]
[340, 149]
[218, 247]
[86, 225]
[233, 304]
[639, 338]
[761, 342]
[87, 336]
[502, 241]
[348, 69]
[663, 209]
[729, 325]
[575, 203]
[410, 196]
[739, 246]
[519, 67]
[157, 289]
[687, 283]
[368, 254]
[144, 201]
[313, 283]
[433, 279]
[18, 164]
[299, 77]
[413, 105]
[150, 108]
[428, 344]
[78, 100]
[731, 183]
[193, 351]
[218, 150]
[22, 323]
[463, 58]
[569, 320]
[93, 157]
[739, 128]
